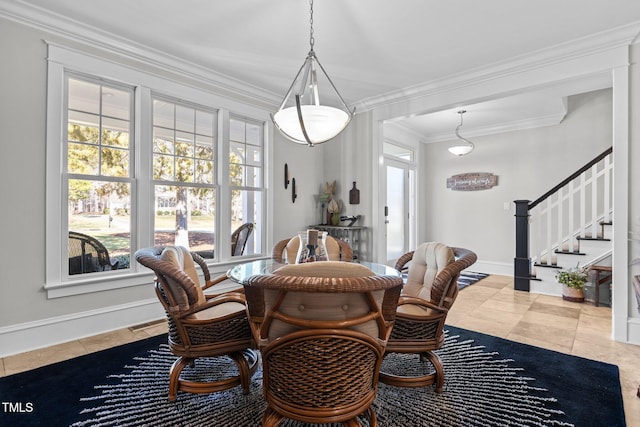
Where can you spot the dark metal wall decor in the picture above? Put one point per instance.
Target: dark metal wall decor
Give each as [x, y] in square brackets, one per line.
[286, 176]
[294, 195]
[354, 195]
[472, 181]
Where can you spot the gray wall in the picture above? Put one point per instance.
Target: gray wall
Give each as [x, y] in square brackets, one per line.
[22, 171]
[23, 78]
[527, 162]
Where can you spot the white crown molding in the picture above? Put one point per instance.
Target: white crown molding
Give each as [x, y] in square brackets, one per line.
[515, 125]
[558, 54]
[403, 128]
[79, 32]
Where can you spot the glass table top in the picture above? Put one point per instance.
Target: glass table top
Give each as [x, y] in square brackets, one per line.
[242, 271]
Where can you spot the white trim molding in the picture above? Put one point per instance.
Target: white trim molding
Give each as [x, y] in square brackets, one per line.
[94, 38]
[492, 267]
[633, 331]
[37, 334]
[589, 51]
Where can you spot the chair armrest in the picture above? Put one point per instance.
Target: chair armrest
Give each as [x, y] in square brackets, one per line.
[278, 248]
[422, 303]
[404, 259]
[212, 302]
[216, 281]
[212, 282]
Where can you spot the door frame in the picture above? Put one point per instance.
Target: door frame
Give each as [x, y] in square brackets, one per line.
[410, 168]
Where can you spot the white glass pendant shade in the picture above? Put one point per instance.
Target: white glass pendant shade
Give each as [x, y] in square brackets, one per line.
[321, 123]
[464, 146]
[460, 150]
[304, 117]
[312, 111]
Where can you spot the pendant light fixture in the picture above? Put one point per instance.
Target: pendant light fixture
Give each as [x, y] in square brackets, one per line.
[465, 146]
[301, 116]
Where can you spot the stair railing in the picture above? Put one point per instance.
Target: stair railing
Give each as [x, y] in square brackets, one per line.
[556, 220]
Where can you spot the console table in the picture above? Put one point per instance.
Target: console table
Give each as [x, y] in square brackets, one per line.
[351, 235]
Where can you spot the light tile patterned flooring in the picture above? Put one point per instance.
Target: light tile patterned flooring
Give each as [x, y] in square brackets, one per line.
[490, 306]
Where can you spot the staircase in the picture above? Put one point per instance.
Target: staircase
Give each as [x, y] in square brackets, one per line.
[568, 226]
[592, 251]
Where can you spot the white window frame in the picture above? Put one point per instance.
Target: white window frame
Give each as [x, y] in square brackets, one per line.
[67, 176]
[62, 59]
[215, 185]
[261, 188]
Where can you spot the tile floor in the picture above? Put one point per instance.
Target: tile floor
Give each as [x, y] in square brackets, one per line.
[544, 321]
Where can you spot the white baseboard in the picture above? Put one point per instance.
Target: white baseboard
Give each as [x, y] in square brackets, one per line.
[490, 267]
[29, 336]
[633, 334]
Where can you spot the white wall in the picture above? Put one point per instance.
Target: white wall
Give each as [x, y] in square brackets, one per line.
[27, 318]
[527, 162]
[306, 165]
[22, 172]
[632, 304]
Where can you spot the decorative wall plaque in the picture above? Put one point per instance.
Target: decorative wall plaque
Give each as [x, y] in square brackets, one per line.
[354, 195]
[472, 181]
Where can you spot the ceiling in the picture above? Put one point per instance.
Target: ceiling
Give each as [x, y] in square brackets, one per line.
[370, 48]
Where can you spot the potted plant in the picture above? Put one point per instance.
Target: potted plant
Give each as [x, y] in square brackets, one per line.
[335, 206]
[573, 281]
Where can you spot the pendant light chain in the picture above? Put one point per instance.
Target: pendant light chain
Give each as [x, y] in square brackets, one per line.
[310, 122]
[311, 38]
[461, 112]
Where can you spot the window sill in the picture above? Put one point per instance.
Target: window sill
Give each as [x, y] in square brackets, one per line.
[98, 282]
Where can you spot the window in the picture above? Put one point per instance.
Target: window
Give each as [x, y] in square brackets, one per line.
[398, 151]
[135, 160]
[99, 146]
[184, 147]
[246, 178]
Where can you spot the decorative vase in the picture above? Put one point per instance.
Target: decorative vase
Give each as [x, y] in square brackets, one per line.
[312, 246]
[335, 218]
[572, 294]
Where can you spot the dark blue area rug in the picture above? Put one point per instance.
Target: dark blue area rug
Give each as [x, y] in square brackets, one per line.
[469, 278]
[465, 279]
[489, 382]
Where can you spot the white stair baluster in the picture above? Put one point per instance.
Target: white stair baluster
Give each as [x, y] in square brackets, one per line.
[594, 201]
[572, 237]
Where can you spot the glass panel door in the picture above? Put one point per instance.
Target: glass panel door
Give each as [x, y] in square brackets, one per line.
[396, 213]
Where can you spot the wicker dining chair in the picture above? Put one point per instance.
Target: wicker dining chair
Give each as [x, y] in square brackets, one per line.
[286, 250]
[200, 325]
[87, 254]
[430, 290]
[321, 328]
[239, 238]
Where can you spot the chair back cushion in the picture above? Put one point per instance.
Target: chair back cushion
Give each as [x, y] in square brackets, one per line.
[325, 269]
[428, 260]
[322, 305]
[187, 292]
[291, 250]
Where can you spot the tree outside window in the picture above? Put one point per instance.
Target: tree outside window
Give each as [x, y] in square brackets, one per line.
[99, 150]
[184, 141]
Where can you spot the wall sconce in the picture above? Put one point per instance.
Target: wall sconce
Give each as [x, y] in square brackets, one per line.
[294, 195]
[286, 176]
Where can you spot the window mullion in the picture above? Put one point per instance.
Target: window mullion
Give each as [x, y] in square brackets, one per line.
[56, 216]
[224, 213]
[142, 190]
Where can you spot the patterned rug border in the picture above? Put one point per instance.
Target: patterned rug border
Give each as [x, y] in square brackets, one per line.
[489, 381]
[482, 388]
